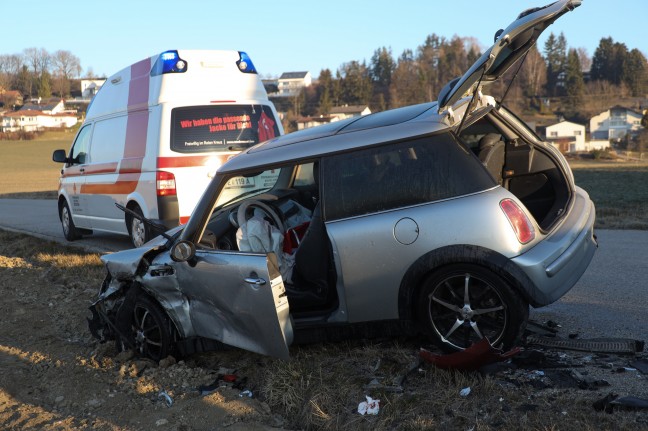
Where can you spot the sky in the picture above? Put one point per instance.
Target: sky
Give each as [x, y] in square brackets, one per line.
[290, 36]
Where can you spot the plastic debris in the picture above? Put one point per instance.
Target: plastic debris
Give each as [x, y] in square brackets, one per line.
[163, 396]
[223, 380]
[612, 401]
[641, 365]
[246, 393]
[470, 359]
[596, 345]
[369, 407]
[464, 392]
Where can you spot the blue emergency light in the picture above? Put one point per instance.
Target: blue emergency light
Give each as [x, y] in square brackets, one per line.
[169, 62]
[245, 63]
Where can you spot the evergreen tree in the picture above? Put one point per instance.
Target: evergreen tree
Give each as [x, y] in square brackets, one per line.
[381, 70]
[574, 83]
[634, 73]
[555, 51]
[325, 91]
[405, 88]
[356, 83]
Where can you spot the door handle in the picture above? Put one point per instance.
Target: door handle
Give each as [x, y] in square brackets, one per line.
[255, 281]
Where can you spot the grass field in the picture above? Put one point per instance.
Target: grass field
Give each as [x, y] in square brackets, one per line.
[619, 190]
[27, 169]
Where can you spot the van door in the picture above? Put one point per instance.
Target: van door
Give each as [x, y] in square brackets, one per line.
[74, 177]
[238, 299]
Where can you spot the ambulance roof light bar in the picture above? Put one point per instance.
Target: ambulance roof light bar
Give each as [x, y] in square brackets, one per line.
[169, 62]
[245, 63]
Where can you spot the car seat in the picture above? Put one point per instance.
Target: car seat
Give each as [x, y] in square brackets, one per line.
[491, 154]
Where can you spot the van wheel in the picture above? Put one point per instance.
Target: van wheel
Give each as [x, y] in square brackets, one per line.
[139, 232]
[70, 232]
[461, 304]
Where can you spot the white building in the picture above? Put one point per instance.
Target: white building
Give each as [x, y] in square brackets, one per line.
[615, 124]
[344, 112]
[32, 120]
[291, 83]
[567, 136]
[89, 87]
[338, 113]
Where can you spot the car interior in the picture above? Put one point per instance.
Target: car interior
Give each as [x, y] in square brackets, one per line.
[311, 287]
[520, 167]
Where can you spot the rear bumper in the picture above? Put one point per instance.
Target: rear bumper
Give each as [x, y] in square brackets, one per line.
[557, 263]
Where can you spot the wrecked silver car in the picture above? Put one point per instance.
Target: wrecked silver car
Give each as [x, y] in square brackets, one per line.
[448, 218]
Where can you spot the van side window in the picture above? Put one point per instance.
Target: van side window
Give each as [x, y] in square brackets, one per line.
[79, 152]
[108, 140]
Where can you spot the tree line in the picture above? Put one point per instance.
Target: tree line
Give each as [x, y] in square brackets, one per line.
[558, 80]
[38, 73]
[554, 81]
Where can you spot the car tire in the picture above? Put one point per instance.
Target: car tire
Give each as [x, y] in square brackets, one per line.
[70, 232]
[460, 304]
[150, 332]
[138, 231]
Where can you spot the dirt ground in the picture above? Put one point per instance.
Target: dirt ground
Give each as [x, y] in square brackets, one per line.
[55, 376]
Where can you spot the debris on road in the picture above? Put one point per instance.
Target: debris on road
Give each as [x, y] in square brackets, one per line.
[471, 359]
[369, 407]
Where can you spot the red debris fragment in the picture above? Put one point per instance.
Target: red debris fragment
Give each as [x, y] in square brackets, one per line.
[470, 359]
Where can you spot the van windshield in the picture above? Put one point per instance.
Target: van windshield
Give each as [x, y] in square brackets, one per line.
[211, 128]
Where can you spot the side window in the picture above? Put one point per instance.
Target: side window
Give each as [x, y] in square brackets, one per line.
[304, 175]
[108, 140]
[398, 175]
[79, 152]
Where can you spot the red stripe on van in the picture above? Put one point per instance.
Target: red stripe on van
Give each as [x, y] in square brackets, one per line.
[101, 168]
[136, 131]
[189, 161]
[131, 166]
[119, 188]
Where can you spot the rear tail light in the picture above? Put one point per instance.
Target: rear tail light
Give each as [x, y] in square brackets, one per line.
[521, 224]
[165, 183]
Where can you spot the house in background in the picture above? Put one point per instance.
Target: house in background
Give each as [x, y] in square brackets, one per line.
[337, 113]
[291, 83]
[34, 117]
[89, 87]
[10, 98]
[344, 112]
[614, 124]
[566, 136]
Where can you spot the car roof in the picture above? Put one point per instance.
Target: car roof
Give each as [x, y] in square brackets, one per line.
[340, 136]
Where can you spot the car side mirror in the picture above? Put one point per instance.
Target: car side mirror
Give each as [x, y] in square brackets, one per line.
[183, 251]
[59, 156]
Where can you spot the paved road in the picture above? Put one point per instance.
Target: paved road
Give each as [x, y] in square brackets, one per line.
[39, 217]
[610, 300]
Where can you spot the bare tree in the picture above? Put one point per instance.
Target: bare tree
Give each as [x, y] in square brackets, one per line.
[66, 64]
[39, 60]
[585, 59]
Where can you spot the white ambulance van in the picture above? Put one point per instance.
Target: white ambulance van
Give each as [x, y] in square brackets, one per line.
[154, 136]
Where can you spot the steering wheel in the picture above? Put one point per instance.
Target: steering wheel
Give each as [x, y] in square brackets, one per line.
[241, 214]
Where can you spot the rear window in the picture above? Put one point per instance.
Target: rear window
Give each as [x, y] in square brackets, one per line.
[221, 128]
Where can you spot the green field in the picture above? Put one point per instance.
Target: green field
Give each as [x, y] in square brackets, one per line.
[619, 190]
[27, 169]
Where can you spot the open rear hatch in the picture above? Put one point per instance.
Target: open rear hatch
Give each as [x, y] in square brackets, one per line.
[530, 169]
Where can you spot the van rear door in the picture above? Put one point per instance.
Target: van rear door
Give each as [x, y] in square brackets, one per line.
[204, 137]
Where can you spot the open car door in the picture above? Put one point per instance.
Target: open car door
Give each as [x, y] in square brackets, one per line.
[238, 299]
[510, 45]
